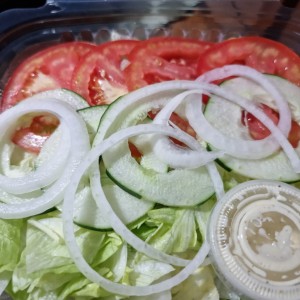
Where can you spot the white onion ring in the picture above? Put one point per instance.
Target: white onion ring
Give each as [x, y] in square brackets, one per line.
[262, 148]
[135, 97]
[175, 156]
[195, 157]
[79, 147]
[179, 157]
[45, 174]
[245, 149]
[258, 149]
[116, 223]
[227, 71]
[231, 145]
[284, 123]
[216, 180]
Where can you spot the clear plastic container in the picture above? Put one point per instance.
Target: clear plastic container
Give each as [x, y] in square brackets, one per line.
[26, 31]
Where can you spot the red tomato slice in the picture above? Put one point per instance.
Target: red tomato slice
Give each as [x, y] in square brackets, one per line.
[258, 131]
[48, 69]
[264, 55]
[160, 59]
[135, 152]
[44, 125]
[178, 122]
[118, 51]
[182, 124]
[28, 140]
[99, 77]
[33, 137]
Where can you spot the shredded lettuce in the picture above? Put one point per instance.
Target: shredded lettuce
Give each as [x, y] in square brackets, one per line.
[200, 283]
[4, 280]
[10, 243]
[11, 246]
[161, 296]
[202, 215]
[44, 269]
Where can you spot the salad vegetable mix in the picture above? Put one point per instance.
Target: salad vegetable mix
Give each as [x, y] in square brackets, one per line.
[114, 156]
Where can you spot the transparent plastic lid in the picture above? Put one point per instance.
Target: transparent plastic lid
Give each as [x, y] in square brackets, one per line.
[254, 233]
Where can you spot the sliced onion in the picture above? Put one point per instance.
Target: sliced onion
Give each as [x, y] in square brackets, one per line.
[258, 149]
[262, 148]
[186, 158]
[245, 149]
[179, 157]
[261, 80]
[284, 123]
[46, 173]
[90, 162]
[170, 153]
[79, 146]
[237, 147]
[116, 223]
[143, 95]
[216, 179]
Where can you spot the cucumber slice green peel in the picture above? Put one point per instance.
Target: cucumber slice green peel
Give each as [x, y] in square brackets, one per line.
[128, 207]
[177, 187]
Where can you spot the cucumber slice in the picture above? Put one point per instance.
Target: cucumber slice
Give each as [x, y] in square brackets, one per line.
[65, 95]
[226, 117]
[92, 116]
[178, 187]
[86, 212]
[128, 208]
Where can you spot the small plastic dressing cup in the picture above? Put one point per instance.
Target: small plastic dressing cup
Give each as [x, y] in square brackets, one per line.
[254, 233]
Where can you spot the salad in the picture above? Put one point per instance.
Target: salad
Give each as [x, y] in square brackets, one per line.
[114, 157]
